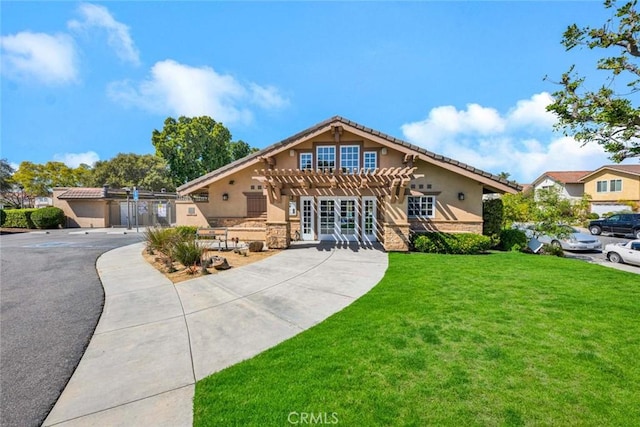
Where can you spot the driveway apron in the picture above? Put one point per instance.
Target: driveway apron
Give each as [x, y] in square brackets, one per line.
[156, 339]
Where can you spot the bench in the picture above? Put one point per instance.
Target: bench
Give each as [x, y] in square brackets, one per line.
[216, 233]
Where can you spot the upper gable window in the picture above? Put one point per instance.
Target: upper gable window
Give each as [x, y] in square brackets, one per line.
[615, 185]
[350, 158]
[326, 158]
[306, 161]
[601, 186]
[370, 160]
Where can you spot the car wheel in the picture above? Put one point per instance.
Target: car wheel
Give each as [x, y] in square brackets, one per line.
[595, 230]
[556, 244]
[614, 257]
[637, 233]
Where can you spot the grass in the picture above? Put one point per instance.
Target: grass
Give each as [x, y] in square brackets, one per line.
[500, 339]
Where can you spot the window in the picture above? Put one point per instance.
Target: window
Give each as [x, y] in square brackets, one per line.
[191, 211]
[421, 207]
[615, 185]
[350, 158]
[601, 186]
[370, 160]
[306, 161]
[326, 157]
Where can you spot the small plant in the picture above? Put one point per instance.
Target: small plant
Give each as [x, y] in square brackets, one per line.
[188, 253]
[555, 250]
[187, 231]
[160, 239]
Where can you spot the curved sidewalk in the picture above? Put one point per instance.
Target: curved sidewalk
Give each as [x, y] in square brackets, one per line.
[155, 339]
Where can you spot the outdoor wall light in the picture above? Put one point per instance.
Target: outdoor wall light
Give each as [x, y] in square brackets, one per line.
[461, 196]
[292, 153]
[384, 151]
[225, 197]
[232, 182]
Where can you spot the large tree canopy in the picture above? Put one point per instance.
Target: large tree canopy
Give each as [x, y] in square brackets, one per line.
[194, 146]
[38, 179]
[132, 170]
[607, 112]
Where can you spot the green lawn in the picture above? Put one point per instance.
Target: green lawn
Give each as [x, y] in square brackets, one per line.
[499, 339]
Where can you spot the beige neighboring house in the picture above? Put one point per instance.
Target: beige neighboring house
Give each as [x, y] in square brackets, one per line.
[106, 207]
[568, 182]
[613, 188]
[339, 181]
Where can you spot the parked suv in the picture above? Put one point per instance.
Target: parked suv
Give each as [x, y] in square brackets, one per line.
[617, 224]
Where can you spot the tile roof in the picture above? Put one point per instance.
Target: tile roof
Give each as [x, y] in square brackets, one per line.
[83, 193]
[566, 177]
[339, 119]
[634, 169]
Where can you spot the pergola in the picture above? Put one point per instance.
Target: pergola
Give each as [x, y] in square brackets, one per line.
[295, 182]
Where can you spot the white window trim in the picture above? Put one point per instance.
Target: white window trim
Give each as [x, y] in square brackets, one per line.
[306, 154]
[611, 190]
[606, 190]
[375, 156]
[335, 156]
[357, 147]
[433, 204]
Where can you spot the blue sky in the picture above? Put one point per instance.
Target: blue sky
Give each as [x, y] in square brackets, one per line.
[85, 81]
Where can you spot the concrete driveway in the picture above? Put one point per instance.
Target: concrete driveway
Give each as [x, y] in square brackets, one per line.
[155, 339]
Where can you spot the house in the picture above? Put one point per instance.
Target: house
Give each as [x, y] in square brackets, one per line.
[107, 207]
[339, 181]
[613, 188]
[568, 182]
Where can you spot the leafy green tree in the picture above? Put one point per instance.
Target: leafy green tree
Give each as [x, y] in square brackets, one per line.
[194, 146]
[38, 179]
[605, 114]
[6, 173]
[144, 171]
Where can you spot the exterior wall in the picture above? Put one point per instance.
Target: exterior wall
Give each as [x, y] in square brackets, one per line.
[630, 187]
[568, 191]
[84, 213]
[183, 217]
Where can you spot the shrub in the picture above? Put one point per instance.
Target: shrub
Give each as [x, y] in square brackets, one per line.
[593, 215]
[512, 240]
[188, 253]
[187, 231]
[3, 216]
[552, 250]
[445, 243]
[19, 218]
[160, 239]
[49, 217]
[492, 215]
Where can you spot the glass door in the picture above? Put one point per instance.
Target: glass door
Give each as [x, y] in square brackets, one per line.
[369, 221]
[326, 219]
[307, 229]
[348, 216]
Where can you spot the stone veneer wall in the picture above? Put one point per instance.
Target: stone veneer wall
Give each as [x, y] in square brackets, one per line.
[237, 222]
[396, 237]
[278, 235]
[447, 226]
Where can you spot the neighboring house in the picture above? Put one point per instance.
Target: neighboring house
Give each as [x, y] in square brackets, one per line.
[339, 181]
[613, 188]
[568, 182]
[42, 202]
[106, 207]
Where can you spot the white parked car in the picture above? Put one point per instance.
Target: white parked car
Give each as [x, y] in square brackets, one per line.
[628, 253]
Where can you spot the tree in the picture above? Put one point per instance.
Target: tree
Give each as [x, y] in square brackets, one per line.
[6, 173]
[144, 171]
[38, 179]
[194, 146]
[605, 115]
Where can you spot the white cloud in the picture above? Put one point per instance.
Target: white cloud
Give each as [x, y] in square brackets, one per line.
[50, 59]
[118, 36]
[520, 142]
[178, 89]
[73, 160]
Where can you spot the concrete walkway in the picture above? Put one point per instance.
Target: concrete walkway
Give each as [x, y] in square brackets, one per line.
[155, 339]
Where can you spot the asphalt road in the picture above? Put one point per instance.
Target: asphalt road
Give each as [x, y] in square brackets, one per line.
[50, 301]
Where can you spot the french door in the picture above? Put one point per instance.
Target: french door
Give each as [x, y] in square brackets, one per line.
[338, 218]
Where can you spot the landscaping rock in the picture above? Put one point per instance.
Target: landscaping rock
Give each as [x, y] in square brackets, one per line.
[220, 263]
[256, 246]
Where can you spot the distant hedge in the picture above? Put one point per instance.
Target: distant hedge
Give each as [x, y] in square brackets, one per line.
[3, 216]
[49, 217]
[447, 243]
[19, 218]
